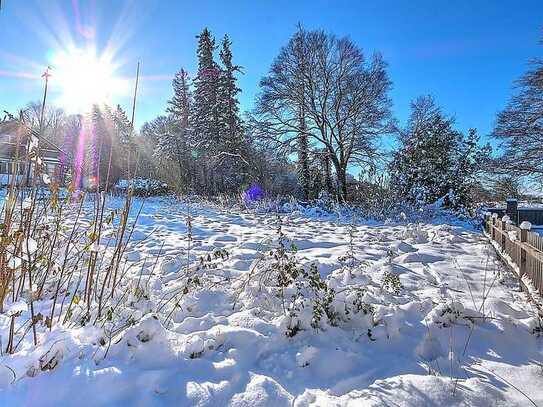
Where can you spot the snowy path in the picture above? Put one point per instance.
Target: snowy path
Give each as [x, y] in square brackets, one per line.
[458, 332]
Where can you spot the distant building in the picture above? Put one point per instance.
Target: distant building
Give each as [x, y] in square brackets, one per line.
[15, 139]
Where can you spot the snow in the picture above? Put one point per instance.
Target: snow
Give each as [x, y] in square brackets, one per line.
[425, 315]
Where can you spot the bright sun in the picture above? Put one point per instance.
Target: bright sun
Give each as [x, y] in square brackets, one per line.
[84, 79]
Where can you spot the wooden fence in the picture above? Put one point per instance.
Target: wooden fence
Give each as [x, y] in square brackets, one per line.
[525, 249]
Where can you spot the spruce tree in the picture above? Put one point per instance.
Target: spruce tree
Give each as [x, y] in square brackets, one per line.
[123, 148]
[174, 145]
[205, 111]
[101, 146]
[122, 125]
[170, 151]
[231, 125]
[232, 145]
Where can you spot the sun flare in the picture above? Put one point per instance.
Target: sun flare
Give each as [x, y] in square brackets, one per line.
[83, 79]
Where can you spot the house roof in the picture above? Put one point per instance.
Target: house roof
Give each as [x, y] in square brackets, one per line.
[13, 127]
[8, 149]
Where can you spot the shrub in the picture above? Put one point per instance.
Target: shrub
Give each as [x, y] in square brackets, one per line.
[143, 187]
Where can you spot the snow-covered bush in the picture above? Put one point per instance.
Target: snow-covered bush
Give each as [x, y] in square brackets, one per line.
[391, 282]
[143, 187]
[452, 312]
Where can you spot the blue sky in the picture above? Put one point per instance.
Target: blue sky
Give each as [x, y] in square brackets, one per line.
[465, 53]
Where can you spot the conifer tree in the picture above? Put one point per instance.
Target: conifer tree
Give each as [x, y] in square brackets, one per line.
[123, 148]
[101, 145]
[122, 126]
[174, 144]
[434, 160]
[232, 147]
[231, 126]
[205, 111]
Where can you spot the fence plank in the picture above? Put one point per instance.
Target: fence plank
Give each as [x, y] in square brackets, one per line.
[524, 248]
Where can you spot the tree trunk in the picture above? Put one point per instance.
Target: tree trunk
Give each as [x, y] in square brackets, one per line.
[328, 173]
[341, 174]
[303, 165]
[342, 184]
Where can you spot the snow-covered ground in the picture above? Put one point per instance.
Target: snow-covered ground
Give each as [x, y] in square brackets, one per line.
[456, 332]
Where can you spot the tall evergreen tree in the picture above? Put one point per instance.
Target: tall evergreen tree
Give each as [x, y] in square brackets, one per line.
[232, 148]
[124, 150]
[205, 110]
[231, 125]
[174, 144]
[179, 104]
[170, 151]
[103, 167]
[123, 126]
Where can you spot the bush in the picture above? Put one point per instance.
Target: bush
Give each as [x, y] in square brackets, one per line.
[143, 187]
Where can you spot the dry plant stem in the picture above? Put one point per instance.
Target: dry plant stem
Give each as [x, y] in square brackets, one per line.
[50, 255]
[31, 300]
[65, 260]
[72, 300]
[7, 237]
[7, 275]
[467, 283]
[64, 297]
[512, 385]
[69, 280]
[119, 250]
[99, 268]
[123, 246]
[27, 268]
[120, 236]
[99, 221]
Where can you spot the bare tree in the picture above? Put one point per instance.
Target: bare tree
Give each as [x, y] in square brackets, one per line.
[54, 120]
[508, 186]
[344, 99]
[519, 127]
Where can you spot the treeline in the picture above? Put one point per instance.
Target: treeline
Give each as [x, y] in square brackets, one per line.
[320, 116]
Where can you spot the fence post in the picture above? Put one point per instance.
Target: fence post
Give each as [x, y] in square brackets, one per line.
[493, 226]
[504, 230]
[524, 228]
[523, 239]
